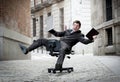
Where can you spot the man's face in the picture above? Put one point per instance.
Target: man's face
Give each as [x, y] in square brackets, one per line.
[76, 26]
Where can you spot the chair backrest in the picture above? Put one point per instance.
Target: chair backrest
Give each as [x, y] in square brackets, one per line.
[53, 45]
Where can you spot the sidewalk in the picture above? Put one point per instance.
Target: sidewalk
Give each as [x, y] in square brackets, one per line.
[86, 69]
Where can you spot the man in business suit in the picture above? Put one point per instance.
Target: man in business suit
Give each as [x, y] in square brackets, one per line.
[68, 39]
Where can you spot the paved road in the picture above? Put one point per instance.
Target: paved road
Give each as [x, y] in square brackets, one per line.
[86, 69]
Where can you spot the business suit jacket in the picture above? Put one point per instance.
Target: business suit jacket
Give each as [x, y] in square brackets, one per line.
[71, 38]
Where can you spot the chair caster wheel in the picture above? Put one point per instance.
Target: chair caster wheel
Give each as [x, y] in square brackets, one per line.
[54, 71]
[69, 71]
[49, 71]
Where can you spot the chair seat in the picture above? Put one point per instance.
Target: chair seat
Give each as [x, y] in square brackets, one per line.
[54, 46]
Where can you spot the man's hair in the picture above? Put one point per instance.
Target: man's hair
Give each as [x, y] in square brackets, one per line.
[78, 22]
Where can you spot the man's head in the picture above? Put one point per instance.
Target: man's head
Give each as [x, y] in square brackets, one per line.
[76, 25]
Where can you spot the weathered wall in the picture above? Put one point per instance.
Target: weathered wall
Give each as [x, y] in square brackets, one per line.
[16, 15]
[14, 28]
[98, 18]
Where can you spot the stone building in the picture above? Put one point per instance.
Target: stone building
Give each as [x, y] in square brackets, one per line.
[62, 12]
[14, 28]
[106, 19]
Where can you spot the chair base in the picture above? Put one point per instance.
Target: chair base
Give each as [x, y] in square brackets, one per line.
[53, 70]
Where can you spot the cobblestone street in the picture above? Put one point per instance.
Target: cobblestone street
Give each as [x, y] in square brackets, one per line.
[86, 69]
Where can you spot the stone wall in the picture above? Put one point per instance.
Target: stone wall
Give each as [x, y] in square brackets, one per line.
[98, 16]
[15, 15]
[14, 28]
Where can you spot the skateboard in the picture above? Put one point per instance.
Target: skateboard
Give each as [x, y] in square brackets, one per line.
[68, 69]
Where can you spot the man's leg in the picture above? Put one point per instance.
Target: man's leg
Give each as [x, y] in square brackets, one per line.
[61, 57]
[34, 45]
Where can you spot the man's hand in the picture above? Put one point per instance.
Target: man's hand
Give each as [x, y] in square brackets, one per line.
[65, 27]
[94, 37]
[51, 31]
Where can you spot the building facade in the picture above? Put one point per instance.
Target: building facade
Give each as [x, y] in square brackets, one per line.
[63, 12]
[14, 28]
[106, 19]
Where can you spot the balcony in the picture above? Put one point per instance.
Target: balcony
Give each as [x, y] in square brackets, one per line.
[44, 4]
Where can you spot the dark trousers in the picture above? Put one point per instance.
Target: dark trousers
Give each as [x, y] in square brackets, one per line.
[38, 43]
[44, 42]
[64, 48]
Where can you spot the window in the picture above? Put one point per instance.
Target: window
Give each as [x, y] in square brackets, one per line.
[32, 3]
[37, 2]
[41, 1]
[41, 26]
[34, 27]
[49, 14]
[109, 36]
[62, 18]
[108, 10]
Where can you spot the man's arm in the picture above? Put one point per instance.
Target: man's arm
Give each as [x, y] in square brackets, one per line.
[83, 40]
[55, 33]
